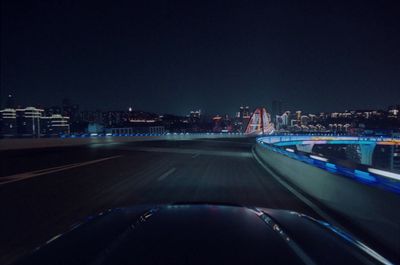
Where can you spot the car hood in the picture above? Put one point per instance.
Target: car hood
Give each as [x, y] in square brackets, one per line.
[202, 234]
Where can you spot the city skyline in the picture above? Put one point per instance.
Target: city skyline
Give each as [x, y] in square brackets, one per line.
[69, 119]
[270, 108]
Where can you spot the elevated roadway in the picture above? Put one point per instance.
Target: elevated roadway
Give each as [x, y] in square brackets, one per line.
[45, 189]
[367, 197]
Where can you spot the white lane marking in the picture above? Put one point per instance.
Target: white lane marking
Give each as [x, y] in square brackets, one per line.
[166, 174]
[297, 194]
[36, 173]
[53, 238]
[195, 155]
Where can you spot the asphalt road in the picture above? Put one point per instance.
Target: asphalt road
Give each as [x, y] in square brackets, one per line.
[45, 191]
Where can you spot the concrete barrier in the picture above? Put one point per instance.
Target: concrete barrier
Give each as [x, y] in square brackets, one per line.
[374, 210]
[15, 144]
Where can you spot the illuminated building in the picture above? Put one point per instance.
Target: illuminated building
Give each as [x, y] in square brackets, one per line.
[334, 115]
[304, 120]
[312, 117]
[55, 124]
[217, 123]
[276, 109]
[8, 122]
[282, 121]
[29, 121]
[194, 116]
[298, 115]
[244, 112]
[241, 111]
[394, 112]
[241, 119]
[293, 122]
[285, 118]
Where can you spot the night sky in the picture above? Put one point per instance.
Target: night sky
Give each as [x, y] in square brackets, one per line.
[174, 56]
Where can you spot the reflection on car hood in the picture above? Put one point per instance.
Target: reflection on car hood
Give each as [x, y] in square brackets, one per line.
[202, 234]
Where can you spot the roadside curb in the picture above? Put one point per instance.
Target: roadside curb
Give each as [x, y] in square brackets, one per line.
[296, 193]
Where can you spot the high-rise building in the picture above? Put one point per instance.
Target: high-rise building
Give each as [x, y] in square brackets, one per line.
[276, 109]
[194, 116]
[244, 112]
[55, 124]
[240, 113]
[244, 118]
[298, 115]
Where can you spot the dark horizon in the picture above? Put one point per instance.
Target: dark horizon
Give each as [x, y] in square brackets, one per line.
[173, 57]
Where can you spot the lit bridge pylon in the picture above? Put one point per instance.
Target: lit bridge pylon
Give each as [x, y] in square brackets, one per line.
[260, 123]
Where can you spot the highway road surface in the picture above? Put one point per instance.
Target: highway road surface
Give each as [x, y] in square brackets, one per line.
[45, 191]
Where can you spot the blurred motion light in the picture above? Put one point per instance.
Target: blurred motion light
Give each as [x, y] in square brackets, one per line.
[384, 173]
[364, 176]
[319, 158]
